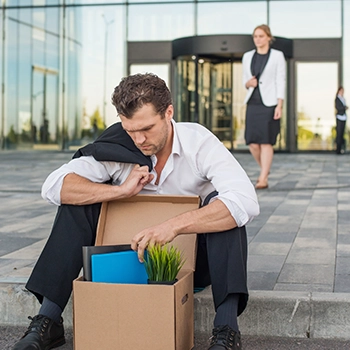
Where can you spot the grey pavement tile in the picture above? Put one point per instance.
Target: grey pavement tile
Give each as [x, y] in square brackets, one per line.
[328, 243]
[285, 185]
[265, 263]
[269, 236]
[11, 267]
[343, 237]
[252, 230]
[300, 195]
[344, 207]
[317, 211]
[284, 219]
[343, 250]
[10, 244]
[267, 248]
[307, 274]
[291, 212]
[286, 227]
[343, 217]
[301, 203]
[343, 266]
[342, 284]
[311, 256]
[262, 280]
[344, 195]
[328, 202]
[312, 223]
[317, 232]
[297, 287]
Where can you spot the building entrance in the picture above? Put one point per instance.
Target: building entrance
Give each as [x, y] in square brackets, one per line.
[209, 84]
[204, 94]
[205, 78]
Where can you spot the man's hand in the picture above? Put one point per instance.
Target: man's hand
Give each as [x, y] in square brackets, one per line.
[136, 181]
[162, 234]
[77, 190]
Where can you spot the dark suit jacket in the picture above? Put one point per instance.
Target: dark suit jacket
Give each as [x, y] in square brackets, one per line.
[339, 106]
[114, 144]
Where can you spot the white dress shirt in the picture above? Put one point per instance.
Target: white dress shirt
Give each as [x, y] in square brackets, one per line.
[199, 164]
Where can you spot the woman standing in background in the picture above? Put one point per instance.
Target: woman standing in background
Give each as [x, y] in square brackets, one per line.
[341, 107]
[264, 75]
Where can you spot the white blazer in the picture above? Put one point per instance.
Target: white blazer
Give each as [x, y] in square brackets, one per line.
[272, 81]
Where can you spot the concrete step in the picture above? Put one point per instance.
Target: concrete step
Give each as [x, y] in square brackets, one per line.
[269, 313]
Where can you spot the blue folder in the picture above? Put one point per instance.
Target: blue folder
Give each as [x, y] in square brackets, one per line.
[118, 267]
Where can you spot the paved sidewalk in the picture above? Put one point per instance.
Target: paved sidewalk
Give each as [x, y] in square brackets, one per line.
[299, 246]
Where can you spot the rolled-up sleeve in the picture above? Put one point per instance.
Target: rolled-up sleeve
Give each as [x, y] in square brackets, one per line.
[86, 167]
[230, 180]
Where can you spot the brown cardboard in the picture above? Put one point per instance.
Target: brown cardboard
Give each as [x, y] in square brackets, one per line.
[127, 316]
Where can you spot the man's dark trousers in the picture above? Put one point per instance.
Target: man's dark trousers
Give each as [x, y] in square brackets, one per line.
[221, 258]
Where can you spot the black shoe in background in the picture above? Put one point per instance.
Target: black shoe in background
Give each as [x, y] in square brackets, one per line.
[42, 334]
[225, 338]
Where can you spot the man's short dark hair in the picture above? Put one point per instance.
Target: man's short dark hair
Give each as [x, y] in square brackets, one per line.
[135, 91]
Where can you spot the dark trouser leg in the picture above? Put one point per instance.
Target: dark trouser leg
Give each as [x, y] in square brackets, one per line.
[340, 134]
[222, 262]
[61, 259]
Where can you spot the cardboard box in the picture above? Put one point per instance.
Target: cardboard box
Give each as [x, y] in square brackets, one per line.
[131, 316]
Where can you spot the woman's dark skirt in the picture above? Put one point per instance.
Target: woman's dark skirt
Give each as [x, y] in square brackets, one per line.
[260, 127]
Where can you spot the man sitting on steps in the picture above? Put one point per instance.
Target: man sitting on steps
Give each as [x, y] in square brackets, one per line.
[149, 153]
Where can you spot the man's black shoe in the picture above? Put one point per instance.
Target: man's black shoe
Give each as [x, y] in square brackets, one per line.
[225, 338]
[42, 334]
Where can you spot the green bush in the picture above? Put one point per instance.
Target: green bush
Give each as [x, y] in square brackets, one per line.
[163, 263]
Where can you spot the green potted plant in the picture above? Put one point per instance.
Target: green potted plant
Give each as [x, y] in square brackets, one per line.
[162, 263]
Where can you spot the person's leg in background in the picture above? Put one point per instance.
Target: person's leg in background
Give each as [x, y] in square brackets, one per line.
[255, 151]
[266, 157]
[340, 129]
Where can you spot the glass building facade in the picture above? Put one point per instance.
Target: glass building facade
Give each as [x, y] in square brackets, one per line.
[61, 59]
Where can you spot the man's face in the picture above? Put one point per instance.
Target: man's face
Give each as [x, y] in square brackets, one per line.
[149, 130]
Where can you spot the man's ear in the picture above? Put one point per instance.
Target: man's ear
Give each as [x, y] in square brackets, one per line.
[169, 112]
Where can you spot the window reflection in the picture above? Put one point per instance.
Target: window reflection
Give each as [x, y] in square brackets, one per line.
[162, 70]
[160, 22]
[102, 64]
[68, 80]
[306, 19]
[237, 18]
[316, 88]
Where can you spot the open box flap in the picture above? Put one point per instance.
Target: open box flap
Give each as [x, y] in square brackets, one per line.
[121, 219]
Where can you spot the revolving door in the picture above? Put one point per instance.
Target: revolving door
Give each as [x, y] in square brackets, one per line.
[204, 94]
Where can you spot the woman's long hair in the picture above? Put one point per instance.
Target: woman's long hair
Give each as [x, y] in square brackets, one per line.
[339, 88]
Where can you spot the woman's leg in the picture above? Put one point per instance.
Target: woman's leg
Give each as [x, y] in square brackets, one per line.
[266, 156]
[255, 150]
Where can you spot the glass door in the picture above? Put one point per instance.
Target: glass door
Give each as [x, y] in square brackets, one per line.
[204, 94]
[317, 84]
[215, 98]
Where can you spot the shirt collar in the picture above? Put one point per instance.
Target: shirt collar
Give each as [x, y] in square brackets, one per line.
[176, 143]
